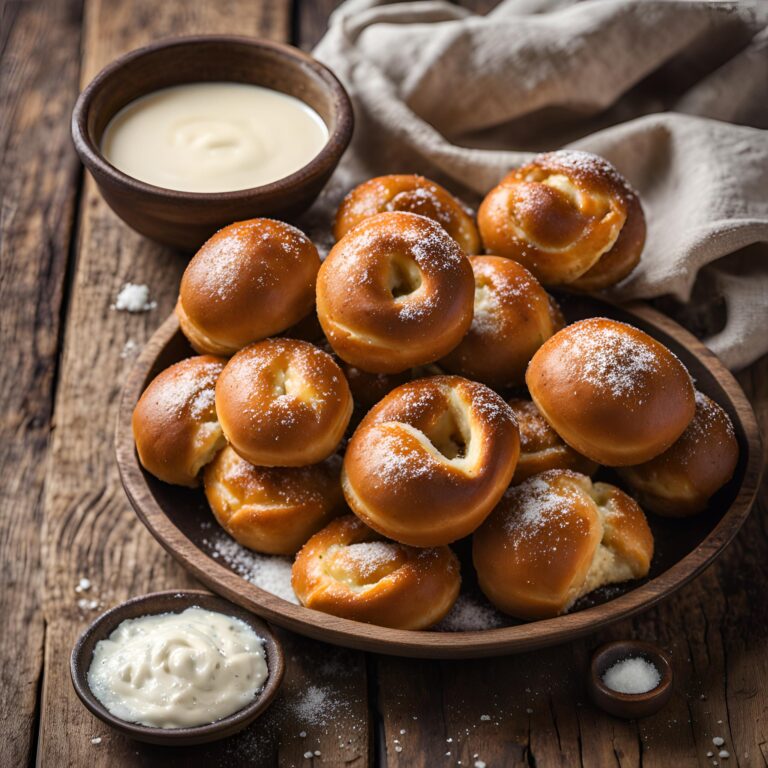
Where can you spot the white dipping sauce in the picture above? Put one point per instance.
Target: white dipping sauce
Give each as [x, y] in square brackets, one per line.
[213, 137]
[177, 670]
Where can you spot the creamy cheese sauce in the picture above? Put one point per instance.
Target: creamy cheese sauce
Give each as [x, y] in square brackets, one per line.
[213, 137]
[178, 670]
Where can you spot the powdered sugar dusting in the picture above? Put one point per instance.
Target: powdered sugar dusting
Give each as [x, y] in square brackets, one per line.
[271, 573]
[368, 557]
[470, 614]
[395, 461]
[582, 163]
[187, 387]
[608, 358]
[219, 267]
[537, 505]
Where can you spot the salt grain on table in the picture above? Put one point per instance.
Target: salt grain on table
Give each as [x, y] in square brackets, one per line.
[133, 298]
[632, 675]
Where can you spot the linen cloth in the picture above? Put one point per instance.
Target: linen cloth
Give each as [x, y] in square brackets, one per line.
[673, 92]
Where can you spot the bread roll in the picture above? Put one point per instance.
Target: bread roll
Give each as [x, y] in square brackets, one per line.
[412, 194]
[174, 423]
[680, 481]
[348, 570]
[272, 509]
[428, 463]
[513, 317]
[570, 217]
[612, 392]
[251, 280]
[555, 538]
[395, 292]
[541, 448]
[283, 403]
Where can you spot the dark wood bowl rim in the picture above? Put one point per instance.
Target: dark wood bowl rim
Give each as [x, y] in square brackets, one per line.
[102, 626]
[337, 142]
[660, 658]
[426, 644]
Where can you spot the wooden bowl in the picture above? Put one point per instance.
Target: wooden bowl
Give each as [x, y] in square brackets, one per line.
[629, 705]
[175, 602]
[178, 517]
[186, 219]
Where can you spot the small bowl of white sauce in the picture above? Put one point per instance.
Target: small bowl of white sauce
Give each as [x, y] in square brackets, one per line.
[177, 668]
[190, 134]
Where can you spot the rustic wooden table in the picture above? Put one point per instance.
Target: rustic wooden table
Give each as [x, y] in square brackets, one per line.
[63, 257]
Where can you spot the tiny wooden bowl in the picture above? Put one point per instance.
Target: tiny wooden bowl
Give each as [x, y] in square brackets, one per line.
[629, 705]
[185, 220]
[175, 602]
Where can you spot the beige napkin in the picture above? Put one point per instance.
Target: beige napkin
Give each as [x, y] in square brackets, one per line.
[673, 92]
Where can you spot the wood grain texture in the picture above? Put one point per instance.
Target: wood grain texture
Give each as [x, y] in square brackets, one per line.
[89, 529]
[39, 184]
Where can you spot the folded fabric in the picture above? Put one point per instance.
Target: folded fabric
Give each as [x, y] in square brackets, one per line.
[673, 92]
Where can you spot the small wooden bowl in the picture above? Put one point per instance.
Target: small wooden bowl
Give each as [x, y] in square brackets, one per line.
[175, 602]
[629, 705]
[186, 219]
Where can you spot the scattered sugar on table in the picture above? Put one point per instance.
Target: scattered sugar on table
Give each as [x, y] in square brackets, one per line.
[133, 298]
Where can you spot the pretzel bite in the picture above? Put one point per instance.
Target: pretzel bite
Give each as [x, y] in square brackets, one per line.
[555, 538]
[174, 423]
[513, 317]
[680, 481]
[395, 292]
[412, 194]
[428, 463]
[570, 217]
[348, 570]
[272, 509]
[541, 448]
[251, 280]
[611, 392]
[283, 403]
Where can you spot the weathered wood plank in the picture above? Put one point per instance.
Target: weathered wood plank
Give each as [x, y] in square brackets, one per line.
[39, 179]
[90, 530]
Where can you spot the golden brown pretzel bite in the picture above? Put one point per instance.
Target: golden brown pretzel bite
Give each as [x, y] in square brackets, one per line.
[555, 538]
[680, 481]
[272, 509]
[513, 317]
[251, 280]
[612, 392]
[283, 403]
[427, 464]
[413, 194]
[174, 423]
[348, 570]
[395, 292]
[570, 217]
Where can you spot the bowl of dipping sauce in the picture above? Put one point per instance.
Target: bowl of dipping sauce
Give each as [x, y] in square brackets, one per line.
[177, 668]
[190, 134]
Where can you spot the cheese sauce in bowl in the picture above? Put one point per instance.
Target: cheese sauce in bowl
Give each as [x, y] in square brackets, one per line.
[177, 668]
[213, 137]
[187, 135]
